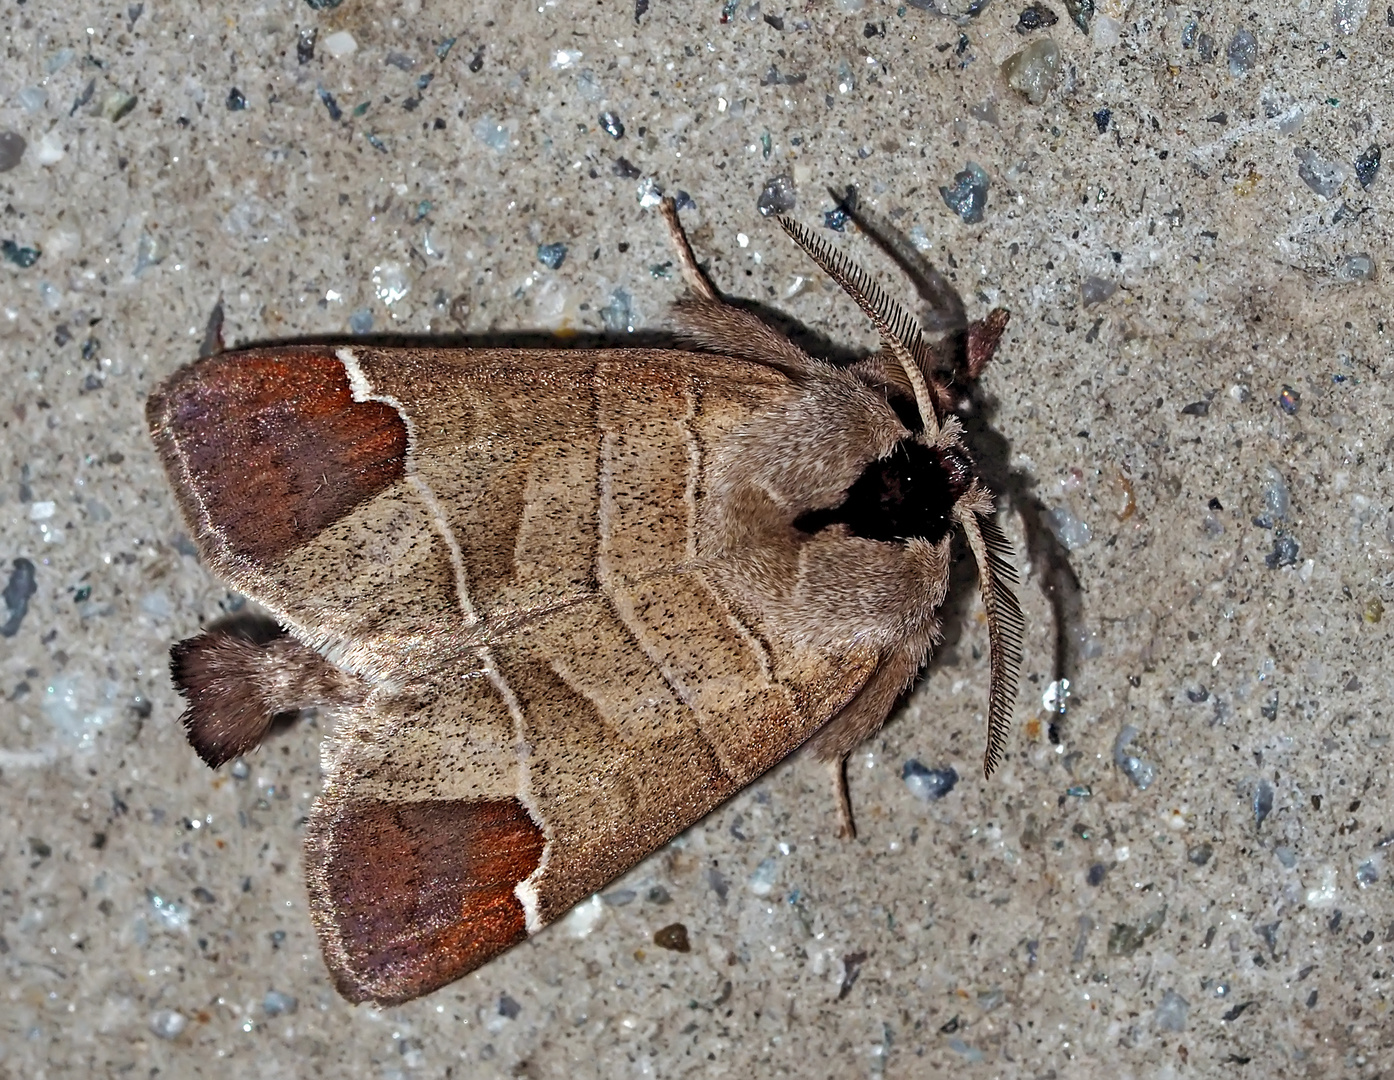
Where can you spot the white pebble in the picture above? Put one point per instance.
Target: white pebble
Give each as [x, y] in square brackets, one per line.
[167, 1023]
[338, 44]
[585, 917]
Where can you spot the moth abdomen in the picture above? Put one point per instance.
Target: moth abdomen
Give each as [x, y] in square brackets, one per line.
[241, 677]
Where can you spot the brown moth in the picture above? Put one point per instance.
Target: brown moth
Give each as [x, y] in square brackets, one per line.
[562, 603]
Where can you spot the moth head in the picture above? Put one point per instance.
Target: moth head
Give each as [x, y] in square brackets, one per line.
[934, 486]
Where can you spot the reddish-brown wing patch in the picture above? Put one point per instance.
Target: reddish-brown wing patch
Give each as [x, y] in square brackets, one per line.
[272, 446]
[411, 896]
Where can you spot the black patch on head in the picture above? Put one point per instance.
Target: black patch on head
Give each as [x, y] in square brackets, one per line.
[909, 493]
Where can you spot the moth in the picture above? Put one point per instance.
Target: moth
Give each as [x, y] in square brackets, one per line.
[562, 603]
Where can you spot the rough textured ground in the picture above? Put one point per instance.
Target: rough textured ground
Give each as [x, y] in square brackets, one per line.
[1203, 448]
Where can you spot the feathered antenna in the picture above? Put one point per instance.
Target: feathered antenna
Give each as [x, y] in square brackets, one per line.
[900, 335]
[1005, 625]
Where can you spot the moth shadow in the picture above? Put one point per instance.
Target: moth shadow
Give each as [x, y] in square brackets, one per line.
[943, 312]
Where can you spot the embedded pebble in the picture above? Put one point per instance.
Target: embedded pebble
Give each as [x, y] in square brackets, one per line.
[390, 282]
[1034, 71]
[584, 917]
[1263, 802]
[18, 254]
[492, 134]
[1242, 52]
[50, 149]
[1276, 500]
[1367, 165]
[339, 44]
[1080, 12]
[612, 124]
[1347, 15]
[1289, 400]
[777, 197]
[276, 1003]
[168, 1023]
[1126, 938]
[616, 316]
[649, 192]
[836, 219]
[968, 196]
[673, 937]
[1140, 772]
[1035, 17]
[12, 146]
[551, 255]
[1357, 267]
[1200, 854]
[236, 100]
[928, 785]
[1284, 553]
[1324, 177]
[1366, 874]
[1068, 529]
[1170, 1014]
[761, 880]
[587, 85]
[19, 590]
[1095, 290]
[117, 105]
[1286, 856]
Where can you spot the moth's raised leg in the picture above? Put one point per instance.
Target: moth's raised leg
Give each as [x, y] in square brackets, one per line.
[239, 677]
[687, 262]
[712, 324]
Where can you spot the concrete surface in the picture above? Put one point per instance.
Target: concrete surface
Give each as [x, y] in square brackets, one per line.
[1211, 899]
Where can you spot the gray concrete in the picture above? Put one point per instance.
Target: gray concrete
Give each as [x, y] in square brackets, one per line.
[1008, 929]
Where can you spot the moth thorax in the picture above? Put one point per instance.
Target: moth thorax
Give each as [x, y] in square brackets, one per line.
[909, 493]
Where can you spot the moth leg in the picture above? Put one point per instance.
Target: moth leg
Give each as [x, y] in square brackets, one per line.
[240, 676]
[687, 262]
[859, 719]
[848, 831]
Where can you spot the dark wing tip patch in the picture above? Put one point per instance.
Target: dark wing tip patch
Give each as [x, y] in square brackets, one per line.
[272, 447]
[408, 897]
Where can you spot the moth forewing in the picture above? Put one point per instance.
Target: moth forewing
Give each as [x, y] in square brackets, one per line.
[561, 604]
